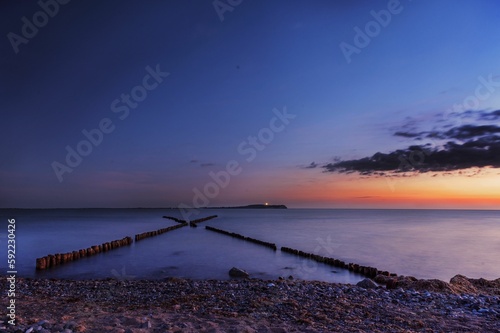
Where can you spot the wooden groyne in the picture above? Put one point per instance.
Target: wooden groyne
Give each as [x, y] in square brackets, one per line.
[57, 259]
[194, 223]
[148, 234]
[174, 219]
[370, 272]
[249, 239]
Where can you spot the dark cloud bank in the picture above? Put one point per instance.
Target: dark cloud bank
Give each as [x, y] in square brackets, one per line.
[466, 146]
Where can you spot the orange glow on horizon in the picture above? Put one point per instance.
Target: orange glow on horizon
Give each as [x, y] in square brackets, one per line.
[454, 191]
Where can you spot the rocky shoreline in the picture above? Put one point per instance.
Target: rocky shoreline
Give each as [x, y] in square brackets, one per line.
[250, 305]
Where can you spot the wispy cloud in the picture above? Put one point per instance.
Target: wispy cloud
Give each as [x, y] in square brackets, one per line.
[202, 164]
[313, 165]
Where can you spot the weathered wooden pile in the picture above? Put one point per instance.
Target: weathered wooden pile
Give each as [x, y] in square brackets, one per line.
[367, 271]
[174, 219]
[370, 272]
[194, 223]
[57, 259]
[153, 233]
[235, 235]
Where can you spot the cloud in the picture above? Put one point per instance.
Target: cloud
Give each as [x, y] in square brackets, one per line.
[313, 165]
[494, 115]
[461, 132]
[465, 146]
[471, 131]
[202, 164]
[408, 134]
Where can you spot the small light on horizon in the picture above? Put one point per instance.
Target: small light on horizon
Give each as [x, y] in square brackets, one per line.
[267, 204]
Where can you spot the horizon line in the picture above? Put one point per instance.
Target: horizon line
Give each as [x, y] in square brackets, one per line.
[218, 207]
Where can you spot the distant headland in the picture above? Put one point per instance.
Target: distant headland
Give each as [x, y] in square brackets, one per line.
[254, 206]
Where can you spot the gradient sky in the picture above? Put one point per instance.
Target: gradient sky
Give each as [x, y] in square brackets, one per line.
[418, 75]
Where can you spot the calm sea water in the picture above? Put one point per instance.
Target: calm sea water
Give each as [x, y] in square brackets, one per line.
[421, 243]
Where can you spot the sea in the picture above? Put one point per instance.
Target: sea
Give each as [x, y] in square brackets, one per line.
[433, 244]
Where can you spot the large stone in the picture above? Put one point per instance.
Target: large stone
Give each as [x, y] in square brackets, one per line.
[237, 272]
[409, 282]
[381, 279]
[367, 284]
[434, 285]
[392, 283]
[462, 285]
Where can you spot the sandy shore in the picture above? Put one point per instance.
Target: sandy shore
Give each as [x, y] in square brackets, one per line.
[177, 305]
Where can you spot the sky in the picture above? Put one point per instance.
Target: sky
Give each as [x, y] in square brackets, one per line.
[320, 104]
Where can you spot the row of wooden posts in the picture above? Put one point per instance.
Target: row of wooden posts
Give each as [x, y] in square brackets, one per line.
[53, 260]
[193, 223]
[367, 271]
[181, 224]
[174, 219]
[235, 235]
[57, 259]
[148, 234]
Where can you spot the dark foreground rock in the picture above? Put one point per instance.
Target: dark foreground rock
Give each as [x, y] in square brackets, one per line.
[238, 273]
[367, 284]
[177, 305]
[459, 284]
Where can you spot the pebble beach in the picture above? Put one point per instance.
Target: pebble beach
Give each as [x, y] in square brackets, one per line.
[252, 305]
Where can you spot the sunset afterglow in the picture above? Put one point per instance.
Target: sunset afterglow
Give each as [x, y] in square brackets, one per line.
[284, 103]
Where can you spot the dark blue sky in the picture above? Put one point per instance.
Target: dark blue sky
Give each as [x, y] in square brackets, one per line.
[225, 78]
